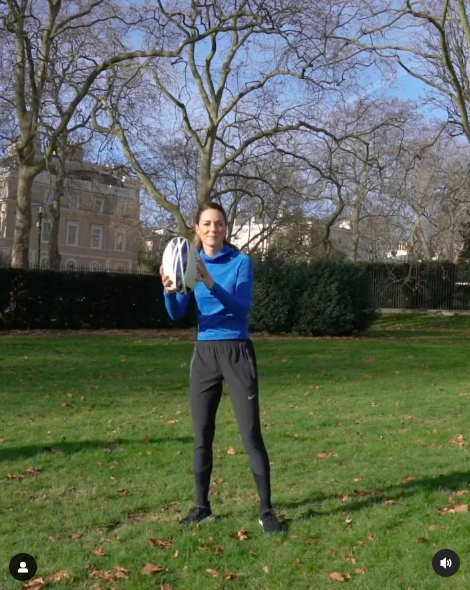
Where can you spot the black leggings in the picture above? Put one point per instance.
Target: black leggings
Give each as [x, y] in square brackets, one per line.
[235, 362]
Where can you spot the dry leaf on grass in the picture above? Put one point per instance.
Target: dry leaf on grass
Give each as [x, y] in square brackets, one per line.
[166, 587]
[172, 421]
[53, 539]
[98, 552]
[161, 543]
[326, 455]
[348, 521]
[458, 439]
[34, 584]
[351, 558]
[409, 478]
[360, 570]
[230, 576]
[231, 451]
[265, 569]
[218, 550]
[176, 554]
[337, 577]
[76, 536]
[242, 534]
[390, 502]
[356, 479]
[435, 527]
[212, 572]
[150, 569]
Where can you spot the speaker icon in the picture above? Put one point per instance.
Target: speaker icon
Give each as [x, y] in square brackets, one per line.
[446, 563]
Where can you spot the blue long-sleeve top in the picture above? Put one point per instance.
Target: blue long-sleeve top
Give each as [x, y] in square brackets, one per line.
[222, 311]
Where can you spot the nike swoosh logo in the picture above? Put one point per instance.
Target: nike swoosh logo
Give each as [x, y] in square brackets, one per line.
[251, 396]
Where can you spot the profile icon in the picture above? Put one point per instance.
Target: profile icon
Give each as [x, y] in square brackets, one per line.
[23, 567]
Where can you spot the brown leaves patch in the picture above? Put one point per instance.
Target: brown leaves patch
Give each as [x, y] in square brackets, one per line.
[38, 583]
[337, 577]
[242, 534]
[458, 508]
[409, 478]
[150, 569]
[326, 455]
[161, 543]
[98, 552]
[212, 572]
[458, 440]
[231, 451]
[351, 558]
[119, 574]
[30, 472]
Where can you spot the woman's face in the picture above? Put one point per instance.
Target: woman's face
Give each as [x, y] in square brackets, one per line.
[211, 228]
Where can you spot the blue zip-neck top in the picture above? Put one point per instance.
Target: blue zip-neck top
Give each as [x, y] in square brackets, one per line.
[222, 311]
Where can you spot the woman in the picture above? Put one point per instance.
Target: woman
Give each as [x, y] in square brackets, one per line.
[223, 352]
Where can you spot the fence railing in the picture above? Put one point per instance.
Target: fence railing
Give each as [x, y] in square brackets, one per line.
[62, 268]
[443, 286]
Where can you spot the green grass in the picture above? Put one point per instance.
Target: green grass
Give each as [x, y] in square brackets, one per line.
[387, 405]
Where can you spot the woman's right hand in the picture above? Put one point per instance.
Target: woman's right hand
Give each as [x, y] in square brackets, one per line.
[167, 282]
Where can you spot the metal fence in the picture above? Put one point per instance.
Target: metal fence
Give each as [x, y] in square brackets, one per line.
[440, 286]
[62, 268]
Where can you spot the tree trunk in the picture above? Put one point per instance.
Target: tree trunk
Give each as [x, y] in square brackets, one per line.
[20, 251]
[355, 219]
[54, 212]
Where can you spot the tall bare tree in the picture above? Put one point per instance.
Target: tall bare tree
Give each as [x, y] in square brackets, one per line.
[44, 41]
[229, 95]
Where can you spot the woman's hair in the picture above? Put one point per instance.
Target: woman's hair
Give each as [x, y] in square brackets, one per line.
[205, 207]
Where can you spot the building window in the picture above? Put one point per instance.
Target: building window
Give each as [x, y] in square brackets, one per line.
[44, 262]
[149, 245]
[46, 231]
[98, 205]
[72, 233]
[96, 237]
[71, 265]
[95, 267]
[120, 241]
[120, 209]
[74, 201]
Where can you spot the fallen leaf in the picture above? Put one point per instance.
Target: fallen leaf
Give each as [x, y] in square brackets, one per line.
[356, 479]
[360, 570]
[160, 543]
[351, 558]
[98, 552]
[34, 584]
[458, 439]
[348, 520]
[230, 576]
[172, 421]
[218, 550]
[166, 587]
[390, 502]
[123, 491]
[326, 455]
[409, 478]
[422, 540]
[361, 542]
[176, 554]
[212, 572]
[231, 451]
[459, 508]
[76, 536]
[151, 569]
[242, 534]
[345, 498]
[265, 569]
[337, 577]
[58, 576]
[371, 536]
[435, 527]
[53, 539]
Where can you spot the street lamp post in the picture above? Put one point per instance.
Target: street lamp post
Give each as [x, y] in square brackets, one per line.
[39, 226]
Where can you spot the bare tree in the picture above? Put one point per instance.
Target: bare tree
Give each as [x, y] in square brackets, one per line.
[46, 40]
[232, 95]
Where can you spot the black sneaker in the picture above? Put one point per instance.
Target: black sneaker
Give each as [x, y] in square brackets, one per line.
[270, 523]
[197, 514]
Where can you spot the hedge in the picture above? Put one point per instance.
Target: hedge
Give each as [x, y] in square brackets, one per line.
[318, 298]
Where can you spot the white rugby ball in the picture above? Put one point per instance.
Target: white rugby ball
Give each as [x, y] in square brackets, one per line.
[179, 263]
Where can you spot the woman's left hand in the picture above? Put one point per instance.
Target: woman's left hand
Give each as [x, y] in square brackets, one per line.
[204, 275]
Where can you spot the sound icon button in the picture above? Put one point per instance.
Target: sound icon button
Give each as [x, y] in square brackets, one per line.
[446, 563]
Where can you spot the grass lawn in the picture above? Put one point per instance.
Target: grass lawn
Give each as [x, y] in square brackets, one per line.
[105, 421]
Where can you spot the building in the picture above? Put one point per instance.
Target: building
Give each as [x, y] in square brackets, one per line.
[99, 220]
[250, 231]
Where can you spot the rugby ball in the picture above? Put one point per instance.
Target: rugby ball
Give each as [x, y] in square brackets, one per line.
[179, 263]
